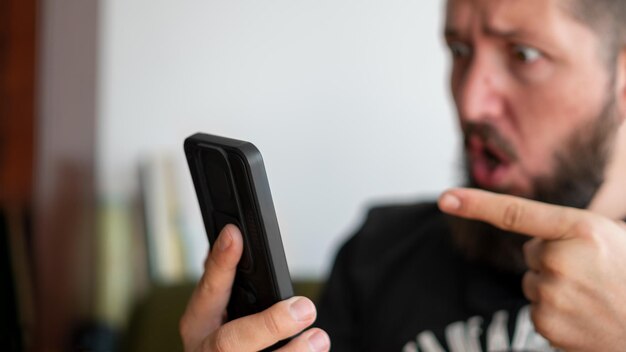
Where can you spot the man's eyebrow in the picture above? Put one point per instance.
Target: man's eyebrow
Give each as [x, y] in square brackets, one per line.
[451, 32]
[504, 33]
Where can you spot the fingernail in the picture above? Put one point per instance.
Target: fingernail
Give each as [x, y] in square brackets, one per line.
[226, 239]
[319, 342]
[302, 309]
[450, 202]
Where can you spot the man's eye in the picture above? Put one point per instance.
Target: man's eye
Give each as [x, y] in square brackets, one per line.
[459, 50]
[526, 54]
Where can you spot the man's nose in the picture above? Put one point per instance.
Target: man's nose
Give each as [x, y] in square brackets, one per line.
[480, 94]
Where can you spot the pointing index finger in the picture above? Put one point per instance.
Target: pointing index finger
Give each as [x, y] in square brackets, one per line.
[527, 217]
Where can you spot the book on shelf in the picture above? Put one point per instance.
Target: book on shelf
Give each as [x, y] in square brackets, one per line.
[162, 220]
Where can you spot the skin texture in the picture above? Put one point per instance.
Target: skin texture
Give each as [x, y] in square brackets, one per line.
[534, 75]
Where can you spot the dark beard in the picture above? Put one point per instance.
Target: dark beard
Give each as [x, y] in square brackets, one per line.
[578, 174]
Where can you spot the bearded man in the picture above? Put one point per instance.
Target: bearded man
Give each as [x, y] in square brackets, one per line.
[531, 257]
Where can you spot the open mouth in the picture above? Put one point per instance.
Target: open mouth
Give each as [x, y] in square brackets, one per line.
[492, 158]
[488, 164]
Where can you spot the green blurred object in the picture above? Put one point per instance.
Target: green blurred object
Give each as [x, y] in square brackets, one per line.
[308, 288]
[154, 323]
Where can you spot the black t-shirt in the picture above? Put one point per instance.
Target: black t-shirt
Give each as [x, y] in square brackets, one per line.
[399, 285]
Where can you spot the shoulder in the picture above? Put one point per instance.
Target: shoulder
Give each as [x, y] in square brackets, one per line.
[399, 218]
[394, 230]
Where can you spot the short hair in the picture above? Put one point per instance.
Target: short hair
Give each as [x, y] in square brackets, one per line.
[605, 17]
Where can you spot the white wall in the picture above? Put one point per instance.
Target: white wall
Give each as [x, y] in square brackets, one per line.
[346, 99]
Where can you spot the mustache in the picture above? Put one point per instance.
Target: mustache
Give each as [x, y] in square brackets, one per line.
[489, 135]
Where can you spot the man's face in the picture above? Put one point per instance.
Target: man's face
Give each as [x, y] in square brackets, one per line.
[529, 83]
[537, 106]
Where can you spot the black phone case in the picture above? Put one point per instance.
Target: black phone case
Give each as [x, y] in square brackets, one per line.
[232, 188]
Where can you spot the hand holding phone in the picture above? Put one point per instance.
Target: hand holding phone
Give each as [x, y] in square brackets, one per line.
[204, 329]
[232, 188]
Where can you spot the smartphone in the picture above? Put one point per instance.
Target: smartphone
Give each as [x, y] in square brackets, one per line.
[232, 188]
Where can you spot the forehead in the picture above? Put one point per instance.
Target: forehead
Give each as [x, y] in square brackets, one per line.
[506, 15]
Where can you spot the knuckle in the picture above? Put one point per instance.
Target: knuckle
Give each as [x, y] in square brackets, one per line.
[210, 280]
[537, 318]
[541, 322]
[543, 295]
[184, 327]
[222, 341]
[565, 222]
[531, 249]
[583, 228]
[207, 285]
[548, 297]
[548, 262]
[593, 233]
[272, 325]
[555, 263]
[217, 261]
[558, 259]
[587, 229]
[513, 216]
[542, 328]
